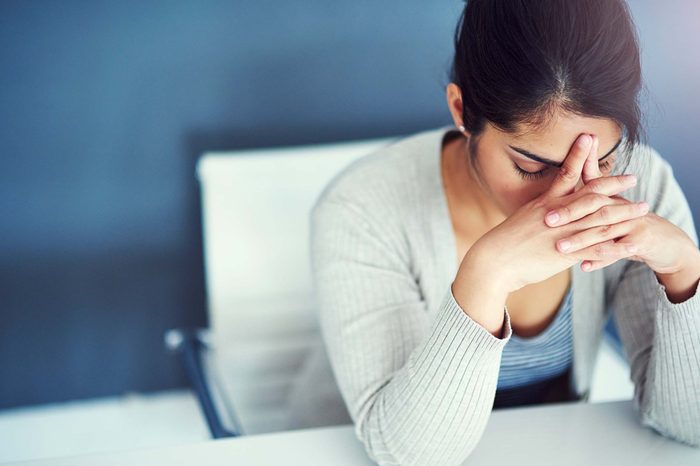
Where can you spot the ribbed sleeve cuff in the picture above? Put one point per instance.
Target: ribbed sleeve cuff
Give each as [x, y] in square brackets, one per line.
[453, 318]
[683, 310]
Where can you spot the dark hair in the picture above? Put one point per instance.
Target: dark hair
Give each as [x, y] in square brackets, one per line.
[517, 61]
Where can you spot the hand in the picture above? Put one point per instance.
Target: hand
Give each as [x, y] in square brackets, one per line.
[521, 249]
[653, 239]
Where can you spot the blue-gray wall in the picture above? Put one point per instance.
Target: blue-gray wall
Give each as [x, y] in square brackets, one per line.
[105, 106]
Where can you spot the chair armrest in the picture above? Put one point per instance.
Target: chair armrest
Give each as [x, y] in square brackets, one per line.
[189, 344]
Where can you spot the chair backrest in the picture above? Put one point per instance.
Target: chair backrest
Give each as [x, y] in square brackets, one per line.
[256, 206]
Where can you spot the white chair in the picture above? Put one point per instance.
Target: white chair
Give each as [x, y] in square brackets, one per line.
[256, 206]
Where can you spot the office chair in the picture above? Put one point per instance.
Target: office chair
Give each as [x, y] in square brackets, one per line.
[256, 206]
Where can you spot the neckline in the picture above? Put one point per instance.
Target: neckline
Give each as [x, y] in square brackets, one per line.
[544, 334]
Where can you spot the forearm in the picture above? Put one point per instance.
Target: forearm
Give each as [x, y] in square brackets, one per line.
[672, 392]
[480, 294]
[435, 408]
[671, 402]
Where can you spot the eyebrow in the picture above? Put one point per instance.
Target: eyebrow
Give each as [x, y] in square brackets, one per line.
[554, 163]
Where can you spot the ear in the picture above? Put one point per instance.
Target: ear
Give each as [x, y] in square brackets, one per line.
[454, 104]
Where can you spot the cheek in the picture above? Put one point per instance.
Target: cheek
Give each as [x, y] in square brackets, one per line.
[512, 191]
[509, 190]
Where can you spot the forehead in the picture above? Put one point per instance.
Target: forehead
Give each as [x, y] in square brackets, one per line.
[553, 139]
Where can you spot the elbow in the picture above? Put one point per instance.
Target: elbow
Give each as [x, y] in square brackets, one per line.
[375, 443]
[410, 448]
[685, 430]
[409, 457]
[678, 420]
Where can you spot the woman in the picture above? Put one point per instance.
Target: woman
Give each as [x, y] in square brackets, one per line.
[443, 292]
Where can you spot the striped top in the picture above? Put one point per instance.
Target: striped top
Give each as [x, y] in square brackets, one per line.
[529, 365]
[526, 360]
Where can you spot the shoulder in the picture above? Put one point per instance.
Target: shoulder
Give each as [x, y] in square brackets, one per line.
[385, 179]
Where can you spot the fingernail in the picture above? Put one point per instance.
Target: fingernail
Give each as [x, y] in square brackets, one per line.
[552, 217]
[565, 245]
[632, 248]
[585, 140]
[643, 207]
[632, 180]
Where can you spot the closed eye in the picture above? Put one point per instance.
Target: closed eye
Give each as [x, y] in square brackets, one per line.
[526, 175]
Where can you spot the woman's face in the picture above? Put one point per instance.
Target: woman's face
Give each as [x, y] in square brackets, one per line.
[511, 175]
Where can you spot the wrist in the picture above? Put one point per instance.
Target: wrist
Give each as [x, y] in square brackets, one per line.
[479, 265]
[480, 295]
[681, 285]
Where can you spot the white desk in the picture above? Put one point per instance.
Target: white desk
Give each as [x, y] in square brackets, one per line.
[555, 434]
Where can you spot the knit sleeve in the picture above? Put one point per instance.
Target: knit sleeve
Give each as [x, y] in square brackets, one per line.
[419, 389]
[661, 339]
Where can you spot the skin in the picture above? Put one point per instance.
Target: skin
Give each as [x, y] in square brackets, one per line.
[476, 208]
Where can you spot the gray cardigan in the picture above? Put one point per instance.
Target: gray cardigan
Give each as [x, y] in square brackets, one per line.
[413, 372]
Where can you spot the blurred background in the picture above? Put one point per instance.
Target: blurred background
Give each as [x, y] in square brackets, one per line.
[105, 108]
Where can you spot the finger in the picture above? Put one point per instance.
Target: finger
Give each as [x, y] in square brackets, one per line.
[612, 214]
[606, 251]
[593, 203]
[591, 169]
[590, 265]
[608, 186]
[570, 172]
[611, 185]
[590, 237]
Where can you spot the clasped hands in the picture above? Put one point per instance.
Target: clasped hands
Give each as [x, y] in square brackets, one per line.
[613, 227]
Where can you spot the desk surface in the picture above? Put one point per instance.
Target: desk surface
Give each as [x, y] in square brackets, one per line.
[554, 434]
